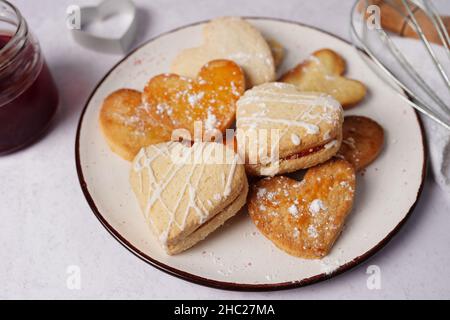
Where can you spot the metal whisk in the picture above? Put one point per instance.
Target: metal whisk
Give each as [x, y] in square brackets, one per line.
[381, 39]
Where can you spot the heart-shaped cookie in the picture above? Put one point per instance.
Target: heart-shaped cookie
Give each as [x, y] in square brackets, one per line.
[362, 141]
[234, 39]
[304, 218]
[185, 193]
[322, 72]
[280, 129]
[177, 102]
[130, 120]
[127, 125]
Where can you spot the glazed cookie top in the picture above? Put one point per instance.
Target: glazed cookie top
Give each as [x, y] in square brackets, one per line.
[180, 188]
[126, 124]
[210, 97]
[300, 120]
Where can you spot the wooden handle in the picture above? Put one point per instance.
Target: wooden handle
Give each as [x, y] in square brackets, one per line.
[394, 18]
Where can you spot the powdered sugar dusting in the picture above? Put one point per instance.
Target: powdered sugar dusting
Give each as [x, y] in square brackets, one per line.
[261, 192]
[315, 206]
[211, 121]
[329, 265]
[194, 98]
[293, 210]
[312, 232]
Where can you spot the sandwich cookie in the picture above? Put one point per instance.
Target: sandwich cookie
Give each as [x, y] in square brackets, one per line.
[280, 129]
[186, 193]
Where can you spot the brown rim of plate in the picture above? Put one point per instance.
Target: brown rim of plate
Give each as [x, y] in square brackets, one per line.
[221, 284]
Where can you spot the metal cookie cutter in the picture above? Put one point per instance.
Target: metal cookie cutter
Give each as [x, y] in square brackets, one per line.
[105, 9]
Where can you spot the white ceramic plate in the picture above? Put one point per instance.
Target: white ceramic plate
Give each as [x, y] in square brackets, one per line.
[237, 256]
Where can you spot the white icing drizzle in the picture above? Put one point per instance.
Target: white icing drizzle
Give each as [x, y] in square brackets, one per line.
[310, 128]
[227, 190]
[300, 98]
[323, 105]
[192, 203]
[311, 101]
[271, 93]
[143, 163]
[222, 177]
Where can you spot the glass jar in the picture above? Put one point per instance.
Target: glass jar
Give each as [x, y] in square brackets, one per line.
[28, 95]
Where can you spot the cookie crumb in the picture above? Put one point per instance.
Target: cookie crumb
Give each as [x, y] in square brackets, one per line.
[312, 232]
[295, 139]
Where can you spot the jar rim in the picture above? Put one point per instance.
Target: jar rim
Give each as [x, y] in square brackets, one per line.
[17, 42]
[19, 27]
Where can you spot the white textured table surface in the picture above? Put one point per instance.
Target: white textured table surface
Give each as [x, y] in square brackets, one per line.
[47, 225]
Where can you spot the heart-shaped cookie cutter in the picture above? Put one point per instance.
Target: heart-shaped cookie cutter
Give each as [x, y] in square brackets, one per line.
[105, 9]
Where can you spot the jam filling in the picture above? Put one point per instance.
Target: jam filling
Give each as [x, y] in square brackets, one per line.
[305, 153]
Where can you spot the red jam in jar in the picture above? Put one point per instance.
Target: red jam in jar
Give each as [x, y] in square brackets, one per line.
[4, 39]
[28, 95]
